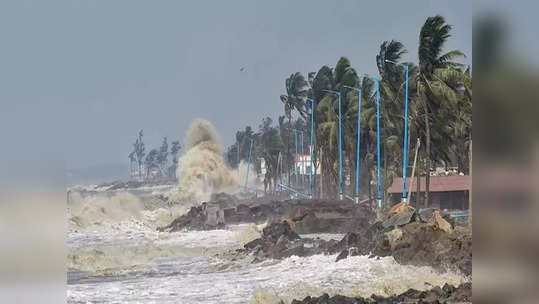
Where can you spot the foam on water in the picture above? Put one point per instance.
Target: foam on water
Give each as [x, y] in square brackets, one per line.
[132, 262]
[209, 280]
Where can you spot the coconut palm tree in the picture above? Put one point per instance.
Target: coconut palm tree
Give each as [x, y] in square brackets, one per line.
[268, 146]
[294, 99]
[437, 71]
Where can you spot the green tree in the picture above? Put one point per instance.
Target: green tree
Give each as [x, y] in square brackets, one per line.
[162, 156]
[437, 71]
[268, 146]
[297, 89]
[139, 150]
[174, 150]
[150, 162]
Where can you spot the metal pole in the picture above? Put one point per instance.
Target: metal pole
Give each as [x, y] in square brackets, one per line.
[340, 150]
[413, 171]
[296, 159]
[378, 141]
[405, 161]
[358, 143]
[302, 164]
[311, 150]
[249, 163]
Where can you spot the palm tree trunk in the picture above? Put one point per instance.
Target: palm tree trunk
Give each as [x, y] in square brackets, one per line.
[287, 168]
[418, 185]
[427, 157]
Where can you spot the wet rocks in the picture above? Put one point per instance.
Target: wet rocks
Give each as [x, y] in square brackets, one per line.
[411, 240]
[422, 244]
[448, 293]
[399, 219]
[278, 241]
[204, 217]
[307, 216]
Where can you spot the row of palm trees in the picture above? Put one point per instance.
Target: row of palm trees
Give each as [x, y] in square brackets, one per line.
[440, 114]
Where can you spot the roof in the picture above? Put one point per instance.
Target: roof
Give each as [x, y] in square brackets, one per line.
[437, 184]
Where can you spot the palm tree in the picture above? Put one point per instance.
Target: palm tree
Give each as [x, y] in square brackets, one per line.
[296, 92]
[436, 70]
[327, 120]
[268, 146]
[294, 99]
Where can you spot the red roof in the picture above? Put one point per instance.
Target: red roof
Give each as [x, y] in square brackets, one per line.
[437, 184]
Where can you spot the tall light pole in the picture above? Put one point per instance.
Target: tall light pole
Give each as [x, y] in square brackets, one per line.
[311, 149]
[358, 90]
[340, 143]
[302, 163]
[405, 156]
[379, 175]
[296, 159]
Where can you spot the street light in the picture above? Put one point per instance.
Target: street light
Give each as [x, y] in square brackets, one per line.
[311, 148]
[358, 90]
[405, 156]
[340, 143]
[379, 175]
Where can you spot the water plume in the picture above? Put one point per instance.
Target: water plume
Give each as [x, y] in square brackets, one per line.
[202, 170]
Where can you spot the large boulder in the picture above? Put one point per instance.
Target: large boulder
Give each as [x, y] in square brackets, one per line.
[275, 231]
[401, 216]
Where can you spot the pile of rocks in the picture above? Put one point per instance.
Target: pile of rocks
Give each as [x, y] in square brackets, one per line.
[424, 238]
[309, 216]
[448, 293]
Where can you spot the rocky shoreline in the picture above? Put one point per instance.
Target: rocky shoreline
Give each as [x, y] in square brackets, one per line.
[411, 237]
[445, 294]
[421, 238]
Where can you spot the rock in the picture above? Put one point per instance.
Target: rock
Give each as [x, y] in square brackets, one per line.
[449, 294]
[425, 245]
[352, 251]
[307, 216]
[298, 250]
[275, 230]
[437, 221]
[393, 236]
[402, 217]
[343, 255]
[254, 243]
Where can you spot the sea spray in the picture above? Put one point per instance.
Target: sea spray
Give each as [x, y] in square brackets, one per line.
[100, 209]
[202, 170]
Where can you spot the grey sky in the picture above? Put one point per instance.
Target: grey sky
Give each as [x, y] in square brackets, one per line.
[84, 76]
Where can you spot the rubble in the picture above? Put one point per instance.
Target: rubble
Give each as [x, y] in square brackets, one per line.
[445, 294]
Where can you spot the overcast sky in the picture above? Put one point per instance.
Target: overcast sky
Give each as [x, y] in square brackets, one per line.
[82, 77]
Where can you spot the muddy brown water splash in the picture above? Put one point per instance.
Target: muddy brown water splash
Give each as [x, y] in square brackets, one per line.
[202, 170]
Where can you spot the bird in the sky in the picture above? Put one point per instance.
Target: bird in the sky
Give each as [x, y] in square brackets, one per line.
[241, 69]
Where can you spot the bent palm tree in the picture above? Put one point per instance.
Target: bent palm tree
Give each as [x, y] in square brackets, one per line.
[436, 72]
[294, 99]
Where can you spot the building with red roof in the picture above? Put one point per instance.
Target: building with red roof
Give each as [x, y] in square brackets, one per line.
[446, 192]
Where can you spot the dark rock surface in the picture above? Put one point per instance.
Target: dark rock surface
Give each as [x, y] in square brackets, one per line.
[446, 294]
[411, 238]
[279, 241]
[307, 216]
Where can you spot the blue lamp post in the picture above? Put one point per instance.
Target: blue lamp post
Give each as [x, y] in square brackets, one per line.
[302, 163]
[340, 143]
[358, 90]
[379, 197]
[405, 156]
[311, 149]
[296, 158]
